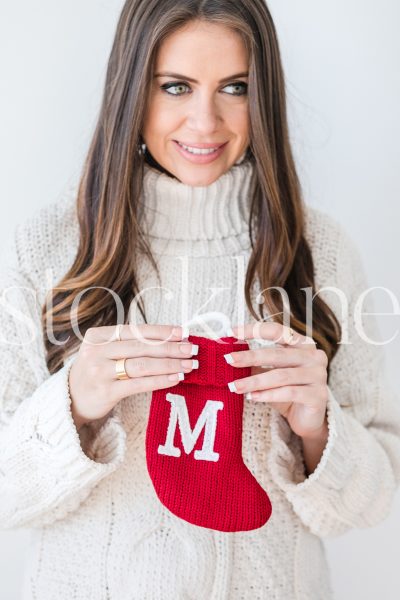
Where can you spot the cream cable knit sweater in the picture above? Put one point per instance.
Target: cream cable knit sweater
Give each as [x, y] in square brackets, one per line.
[99, 531]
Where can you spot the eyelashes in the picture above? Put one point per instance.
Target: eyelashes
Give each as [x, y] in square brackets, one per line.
[167, 86]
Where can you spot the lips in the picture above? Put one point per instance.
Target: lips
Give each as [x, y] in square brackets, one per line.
[201, 146]
[201, 158]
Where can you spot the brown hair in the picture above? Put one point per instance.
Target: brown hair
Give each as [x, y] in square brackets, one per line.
[111, 184]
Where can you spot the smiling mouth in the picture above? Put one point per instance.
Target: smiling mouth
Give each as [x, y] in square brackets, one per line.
[200, 149]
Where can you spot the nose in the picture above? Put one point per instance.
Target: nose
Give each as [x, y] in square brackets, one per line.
[204, 114]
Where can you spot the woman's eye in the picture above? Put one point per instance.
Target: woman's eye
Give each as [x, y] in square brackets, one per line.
[167, 86]
[240, 85]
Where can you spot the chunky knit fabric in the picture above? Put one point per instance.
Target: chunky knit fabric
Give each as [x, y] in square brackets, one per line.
[99, 531]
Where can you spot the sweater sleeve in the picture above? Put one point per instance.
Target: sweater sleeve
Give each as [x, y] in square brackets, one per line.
[356, 478]
[47, 468]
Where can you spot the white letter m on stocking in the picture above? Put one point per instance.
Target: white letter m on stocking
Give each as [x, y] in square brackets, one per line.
[207, 419]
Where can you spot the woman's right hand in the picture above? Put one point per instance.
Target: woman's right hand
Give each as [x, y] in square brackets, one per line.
[155, 356]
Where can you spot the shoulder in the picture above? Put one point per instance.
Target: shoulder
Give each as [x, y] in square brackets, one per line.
[48, 238]
[334, 252]
[321, 229]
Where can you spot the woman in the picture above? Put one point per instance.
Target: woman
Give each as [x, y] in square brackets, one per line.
[188, 203]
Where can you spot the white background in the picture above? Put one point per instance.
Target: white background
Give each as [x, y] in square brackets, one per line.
[343, 80]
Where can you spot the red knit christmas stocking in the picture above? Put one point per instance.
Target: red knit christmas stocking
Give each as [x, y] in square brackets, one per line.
[194, 445]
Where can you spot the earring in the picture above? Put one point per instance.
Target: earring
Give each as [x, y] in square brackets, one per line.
[141, 146]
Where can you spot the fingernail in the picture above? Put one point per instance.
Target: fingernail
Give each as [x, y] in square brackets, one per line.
[248, 396]
[191, 364]
[186, 348]
[229, 359]
[232, 386]
[181, 332]
[189, 348]
[176, 377]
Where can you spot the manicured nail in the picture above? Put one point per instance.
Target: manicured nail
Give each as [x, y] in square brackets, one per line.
[195, 349]
[248, 396]
[191, 364]
[232, 386]
[186, 348]
[229, 359]
[176, 376]
[181, 332]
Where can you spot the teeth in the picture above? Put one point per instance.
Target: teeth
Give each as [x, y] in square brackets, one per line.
[198, 150]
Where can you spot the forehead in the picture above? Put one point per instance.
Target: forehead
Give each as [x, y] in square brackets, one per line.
[203, 49]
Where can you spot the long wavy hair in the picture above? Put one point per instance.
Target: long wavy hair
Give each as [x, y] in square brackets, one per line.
[110, 237]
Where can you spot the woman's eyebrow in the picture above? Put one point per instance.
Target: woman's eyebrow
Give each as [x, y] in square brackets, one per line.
[179, 76]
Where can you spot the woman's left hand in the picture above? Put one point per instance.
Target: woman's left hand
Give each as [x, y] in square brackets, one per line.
[297, 382]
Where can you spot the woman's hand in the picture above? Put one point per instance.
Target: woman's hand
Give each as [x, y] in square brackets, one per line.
[155, 359]
[295, 383]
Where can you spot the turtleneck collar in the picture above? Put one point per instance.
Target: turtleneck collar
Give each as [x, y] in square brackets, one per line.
[176, 211]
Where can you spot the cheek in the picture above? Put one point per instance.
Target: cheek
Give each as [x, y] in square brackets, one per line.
[238, 121]
[162, 120]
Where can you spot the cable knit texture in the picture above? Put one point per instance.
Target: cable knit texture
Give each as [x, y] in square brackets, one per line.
[99, 531]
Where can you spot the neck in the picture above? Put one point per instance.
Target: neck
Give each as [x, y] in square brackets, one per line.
[176, 211]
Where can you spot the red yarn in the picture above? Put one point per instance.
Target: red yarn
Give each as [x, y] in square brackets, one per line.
[206, 483]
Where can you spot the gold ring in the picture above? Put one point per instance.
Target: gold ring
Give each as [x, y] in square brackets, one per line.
[120, 369]
[118, 332]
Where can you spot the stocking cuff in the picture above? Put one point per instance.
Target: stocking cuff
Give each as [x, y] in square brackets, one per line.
[214, 368]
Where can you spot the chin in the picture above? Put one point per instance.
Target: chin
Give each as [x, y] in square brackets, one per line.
[198, 175]
[203, 179]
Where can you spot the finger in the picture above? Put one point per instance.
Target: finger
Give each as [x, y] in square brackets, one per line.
[307, 395]
[154, 348]
[279, 356]
[144, 366]
[127, 387]
[153, 332]
[278, 378]
[274, 332]
[282, 397]
[130, 331]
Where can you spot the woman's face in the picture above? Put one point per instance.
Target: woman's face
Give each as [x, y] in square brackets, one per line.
[198, 98]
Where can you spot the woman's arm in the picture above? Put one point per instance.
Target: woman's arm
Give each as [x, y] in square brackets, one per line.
[47, 468]
[355, 478]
